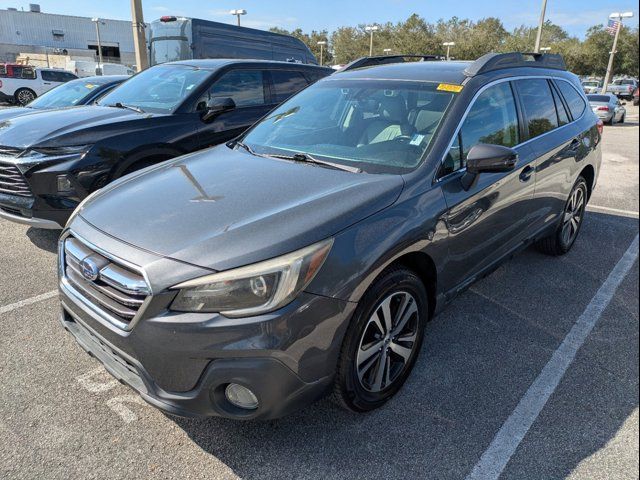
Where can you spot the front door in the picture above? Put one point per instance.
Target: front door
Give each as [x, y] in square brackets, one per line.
[492, 217]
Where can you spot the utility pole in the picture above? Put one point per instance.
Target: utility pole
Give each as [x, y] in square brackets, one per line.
[536, 49]
[98, 21]
[614, 16]
[371, 29]
[139, 40]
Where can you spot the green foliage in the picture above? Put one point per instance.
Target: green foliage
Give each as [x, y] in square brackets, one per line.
[473, 39]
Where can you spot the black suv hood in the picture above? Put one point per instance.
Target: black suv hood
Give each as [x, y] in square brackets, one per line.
[60, 127]
[222, 208]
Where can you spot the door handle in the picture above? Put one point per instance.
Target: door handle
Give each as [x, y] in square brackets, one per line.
[526, 173]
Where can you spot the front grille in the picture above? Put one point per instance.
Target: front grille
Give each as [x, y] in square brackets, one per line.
[113, 288]
[12, 182]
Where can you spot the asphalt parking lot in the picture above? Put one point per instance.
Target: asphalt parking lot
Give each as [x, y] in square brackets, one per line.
[472, 406]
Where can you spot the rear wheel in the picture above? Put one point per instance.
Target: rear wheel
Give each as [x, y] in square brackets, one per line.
[24, 96]
[383, 341]
[623, 118]
[561, 241]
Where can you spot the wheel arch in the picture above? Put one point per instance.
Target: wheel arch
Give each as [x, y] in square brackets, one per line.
[149, 156]
[589, 174]
[423, 265]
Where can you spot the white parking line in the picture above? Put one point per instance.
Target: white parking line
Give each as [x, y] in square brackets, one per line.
[625, 213]
[494, 460]
[28, 301]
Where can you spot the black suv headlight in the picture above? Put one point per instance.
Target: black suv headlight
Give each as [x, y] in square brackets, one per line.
[43, 152]
[254, 289]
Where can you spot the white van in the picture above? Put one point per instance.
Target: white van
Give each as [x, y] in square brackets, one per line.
[24, 83]
[116, 69]
[82, 68]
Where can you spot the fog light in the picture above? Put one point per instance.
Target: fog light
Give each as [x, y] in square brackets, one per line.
[64, 184]
[241, 396]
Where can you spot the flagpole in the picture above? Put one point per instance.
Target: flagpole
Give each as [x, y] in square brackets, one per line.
[607, 77]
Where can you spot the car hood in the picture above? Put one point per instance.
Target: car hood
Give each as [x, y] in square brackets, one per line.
[12, 112]
[222, 208]
[60, 126]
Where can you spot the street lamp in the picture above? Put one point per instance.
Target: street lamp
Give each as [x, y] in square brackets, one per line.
[98, 22]
[545, 49]
[449, 45]
[386, 51]
[371, 29]
[618, 17]
[238, 13]
[322, 43]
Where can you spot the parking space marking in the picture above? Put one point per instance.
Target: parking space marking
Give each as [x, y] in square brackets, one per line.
[494, 460]
[28, 301]
[626, 213]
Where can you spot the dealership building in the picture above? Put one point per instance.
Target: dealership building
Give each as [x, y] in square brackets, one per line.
[37, 32]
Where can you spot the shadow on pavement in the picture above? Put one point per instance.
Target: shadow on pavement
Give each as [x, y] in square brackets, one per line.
[44, 239]
[479, 357]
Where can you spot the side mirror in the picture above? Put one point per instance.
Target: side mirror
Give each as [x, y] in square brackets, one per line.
[216, 106]
[483, 158]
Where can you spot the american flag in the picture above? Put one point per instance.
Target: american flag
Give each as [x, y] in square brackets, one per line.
[613, 26]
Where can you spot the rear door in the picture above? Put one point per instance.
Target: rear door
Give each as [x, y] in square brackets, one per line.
[285, 84]
[249, 89]
[492, 217]
[550, 109]
[49, 79]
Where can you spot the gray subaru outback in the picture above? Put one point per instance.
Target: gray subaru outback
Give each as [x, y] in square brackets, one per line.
[306, 257]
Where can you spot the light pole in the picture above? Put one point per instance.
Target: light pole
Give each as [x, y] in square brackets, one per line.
[449, 45]
[98, 22]
[536, 49]
[371, 29]
[387, 51]
[238, 13]
[618, 17]
[322, 43]
[545, 49]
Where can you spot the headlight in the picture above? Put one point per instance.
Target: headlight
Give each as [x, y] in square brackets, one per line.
[56, 151]
[254, 289]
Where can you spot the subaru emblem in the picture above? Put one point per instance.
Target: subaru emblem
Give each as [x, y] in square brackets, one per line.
[89, 269]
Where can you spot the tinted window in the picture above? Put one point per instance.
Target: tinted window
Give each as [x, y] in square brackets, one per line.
[539, 108]
[245, 87]
[287, 83]
[49, 76]
[573, 98]
[599, 98]
[492, 119]
[563, 116]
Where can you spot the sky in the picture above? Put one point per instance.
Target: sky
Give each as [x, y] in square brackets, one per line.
[575, 16]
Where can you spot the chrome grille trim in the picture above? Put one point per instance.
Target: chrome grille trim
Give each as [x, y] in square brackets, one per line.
[119, 293]
[12, 182]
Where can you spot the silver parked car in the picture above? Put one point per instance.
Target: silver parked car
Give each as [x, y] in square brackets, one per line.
[608, 108]
[591, 86]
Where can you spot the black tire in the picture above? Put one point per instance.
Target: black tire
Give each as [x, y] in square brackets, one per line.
[559, 243]
[394, 287]
[24, 95]
[610, 121]
[623, 118]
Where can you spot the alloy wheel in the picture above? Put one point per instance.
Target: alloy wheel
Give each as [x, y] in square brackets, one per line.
[387, 342]
[25, 96]
[573, 216]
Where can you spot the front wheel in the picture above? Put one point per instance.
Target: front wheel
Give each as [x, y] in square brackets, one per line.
[561, 241]
[383, 341]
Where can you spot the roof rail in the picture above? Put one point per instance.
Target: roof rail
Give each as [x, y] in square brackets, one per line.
[499, 61]
[386, 59]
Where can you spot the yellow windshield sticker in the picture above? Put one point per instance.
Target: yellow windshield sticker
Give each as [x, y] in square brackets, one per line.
[89, 86]
[447, 87]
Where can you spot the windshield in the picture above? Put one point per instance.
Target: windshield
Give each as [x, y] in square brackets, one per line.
[381, 126]
[159, 89]
[66, 95]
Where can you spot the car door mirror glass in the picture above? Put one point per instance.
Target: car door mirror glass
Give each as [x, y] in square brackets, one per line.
[216, 106]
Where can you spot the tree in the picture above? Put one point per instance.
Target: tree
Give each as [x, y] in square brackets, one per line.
[310, 40]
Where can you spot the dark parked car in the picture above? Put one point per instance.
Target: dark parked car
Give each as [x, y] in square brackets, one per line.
[306, 256]
[83, 91]
[50, 161]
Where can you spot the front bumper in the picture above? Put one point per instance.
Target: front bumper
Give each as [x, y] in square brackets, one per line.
[182, 362]
[17, 216]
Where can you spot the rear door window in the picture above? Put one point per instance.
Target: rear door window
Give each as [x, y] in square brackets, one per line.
[245, 87]
[49, 76]
[539, 108]
[287, 83]
[492, 119]
[563, 116]
[575, 101]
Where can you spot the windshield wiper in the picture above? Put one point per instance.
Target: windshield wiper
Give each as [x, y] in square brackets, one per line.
[128, 107]
[306, 158]
[238, 143]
